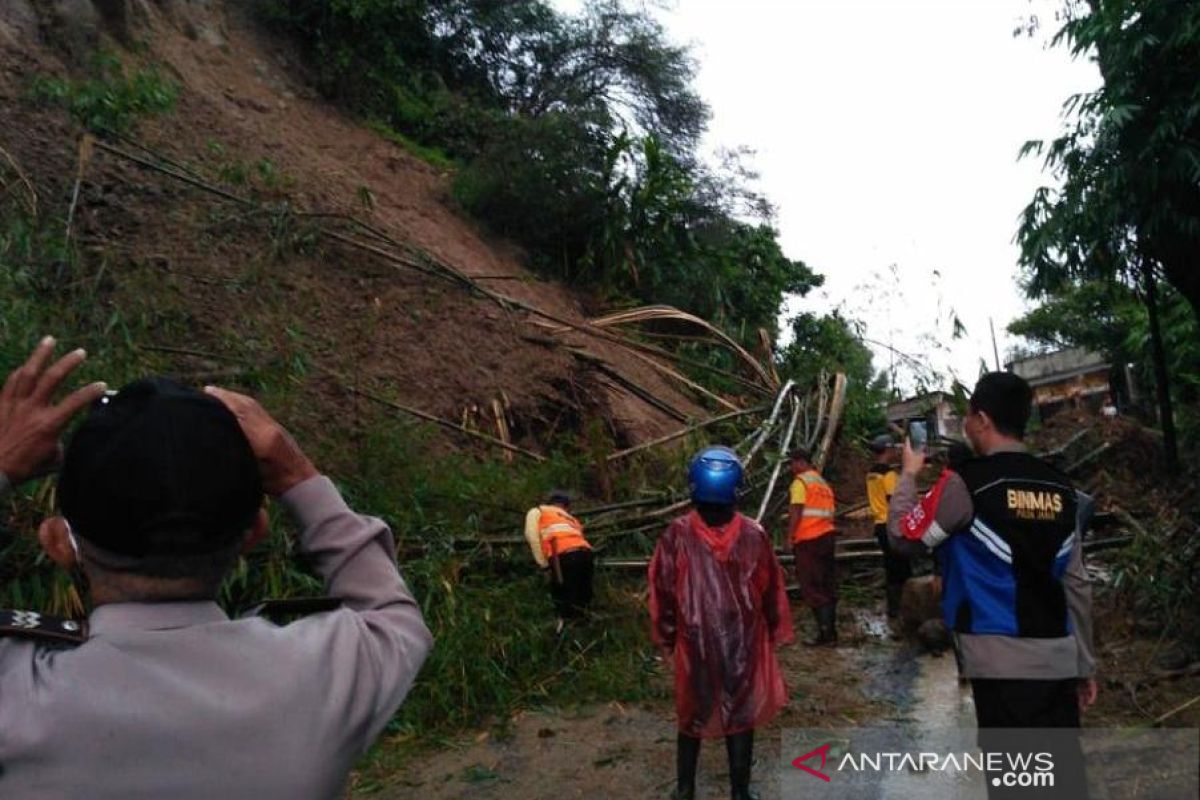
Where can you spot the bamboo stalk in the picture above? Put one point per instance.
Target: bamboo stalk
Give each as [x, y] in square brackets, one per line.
[416, 412]
[837, 406]
[670, 437]
[766, 427]
[85, 156]
[629, 384]
[1176, 710]
[783, 450]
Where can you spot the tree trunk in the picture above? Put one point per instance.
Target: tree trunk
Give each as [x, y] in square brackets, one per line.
[1163, 388]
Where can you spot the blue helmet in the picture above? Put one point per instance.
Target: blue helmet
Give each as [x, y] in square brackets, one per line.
[714, 476]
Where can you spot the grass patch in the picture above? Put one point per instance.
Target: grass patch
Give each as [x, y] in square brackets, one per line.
[113, 98]
[432, 156]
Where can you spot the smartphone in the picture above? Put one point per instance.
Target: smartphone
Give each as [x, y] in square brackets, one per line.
[918, 435]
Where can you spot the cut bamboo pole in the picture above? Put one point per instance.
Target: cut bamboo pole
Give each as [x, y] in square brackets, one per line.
[837, 406]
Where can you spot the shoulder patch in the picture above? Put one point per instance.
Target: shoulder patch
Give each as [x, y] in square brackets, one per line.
[35, 625]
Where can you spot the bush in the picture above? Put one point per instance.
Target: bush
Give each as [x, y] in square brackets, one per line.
[111, 101]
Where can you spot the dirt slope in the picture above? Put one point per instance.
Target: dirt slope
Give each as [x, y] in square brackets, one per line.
[222, 280]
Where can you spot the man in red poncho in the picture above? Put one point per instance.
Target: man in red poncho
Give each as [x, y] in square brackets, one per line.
[719, 607]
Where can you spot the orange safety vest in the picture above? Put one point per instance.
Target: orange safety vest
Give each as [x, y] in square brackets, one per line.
[559, 531]
[817, 517]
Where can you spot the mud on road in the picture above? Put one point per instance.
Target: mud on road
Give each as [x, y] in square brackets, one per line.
[628, 751]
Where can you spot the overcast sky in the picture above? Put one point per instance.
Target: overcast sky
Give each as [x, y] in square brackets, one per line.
[887, 133]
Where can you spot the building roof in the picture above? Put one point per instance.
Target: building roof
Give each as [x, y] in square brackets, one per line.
[1058, 366]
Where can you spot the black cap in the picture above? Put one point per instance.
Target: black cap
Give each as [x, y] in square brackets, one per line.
[800, 454]
[558, 497]
[881, 443]
[160, 470]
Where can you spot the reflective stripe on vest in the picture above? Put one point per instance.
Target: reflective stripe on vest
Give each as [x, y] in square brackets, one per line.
[817, 517]
[559, 531]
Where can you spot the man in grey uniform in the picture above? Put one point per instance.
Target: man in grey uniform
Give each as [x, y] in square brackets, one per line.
[161, 489]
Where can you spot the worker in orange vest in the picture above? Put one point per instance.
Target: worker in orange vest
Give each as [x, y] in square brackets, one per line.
[810, 523]
[556, 539]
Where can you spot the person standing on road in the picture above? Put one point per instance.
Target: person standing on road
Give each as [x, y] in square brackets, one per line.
[811, 527]
[160, 694]
[1006, 531]
[881, 484]
[719, 609]
[559, 548]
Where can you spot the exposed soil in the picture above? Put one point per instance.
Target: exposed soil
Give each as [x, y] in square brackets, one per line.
[257, 286]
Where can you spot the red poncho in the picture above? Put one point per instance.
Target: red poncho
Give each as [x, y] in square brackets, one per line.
[718, 601]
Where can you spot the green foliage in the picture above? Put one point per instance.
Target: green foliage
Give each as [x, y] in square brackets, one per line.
[1129, 161]
[833, 343]
[575, 136]
[110, 100]
[491, 613]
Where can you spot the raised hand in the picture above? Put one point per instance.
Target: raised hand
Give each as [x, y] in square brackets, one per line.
[31, 424]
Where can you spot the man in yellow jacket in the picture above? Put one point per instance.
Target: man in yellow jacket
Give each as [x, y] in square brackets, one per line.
[881, 485]
[810, 525]
[556, 539]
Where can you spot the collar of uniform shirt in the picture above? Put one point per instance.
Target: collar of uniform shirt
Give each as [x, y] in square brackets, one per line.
[1009, 447]
[113, 617]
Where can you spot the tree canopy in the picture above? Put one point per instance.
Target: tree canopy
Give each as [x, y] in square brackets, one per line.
[575, 135]
[1129, 159]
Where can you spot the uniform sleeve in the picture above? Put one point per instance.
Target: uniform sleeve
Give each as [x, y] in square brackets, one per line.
[532, 519]
[664, 609]
[1079, 607]
[798, 494]
[917, 525]
[381, 636]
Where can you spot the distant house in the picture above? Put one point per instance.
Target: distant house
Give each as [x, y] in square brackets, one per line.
[935, 409]
[1074, 377]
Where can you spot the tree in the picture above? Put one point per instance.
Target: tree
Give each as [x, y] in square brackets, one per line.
[832, 342]
[1129, 205]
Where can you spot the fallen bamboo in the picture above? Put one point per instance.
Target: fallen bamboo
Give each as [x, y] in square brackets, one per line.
[416, 412]
[1089, 457]
[195, 182]
[630, 385]
[1183, 707]
[658, 312]
[770, 422]
[784, 446]
[670, 437]
[834, 420]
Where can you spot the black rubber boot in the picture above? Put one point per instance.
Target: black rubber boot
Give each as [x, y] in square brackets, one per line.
[740, 748]
[830, 623]
[818, 637]
[826, 635]
[894, 592]
[687, 754]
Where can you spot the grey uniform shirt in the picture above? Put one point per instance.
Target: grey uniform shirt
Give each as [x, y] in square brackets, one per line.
[176, 700]
[993, 656]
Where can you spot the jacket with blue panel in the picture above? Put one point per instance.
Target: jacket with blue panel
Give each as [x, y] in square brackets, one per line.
[1006, 530]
